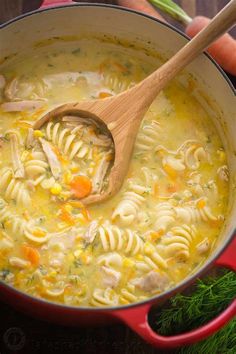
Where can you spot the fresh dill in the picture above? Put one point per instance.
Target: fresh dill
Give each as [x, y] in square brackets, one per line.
[186, 312]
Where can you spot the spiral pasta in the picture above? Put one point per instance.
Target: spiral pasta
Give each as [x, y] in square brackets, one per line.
[37, 166]
[127, 210]
[66, 140]
[115, 239]
[107, 297]
[178, 241]
[13, 189]
[149, 136]
[116, 84]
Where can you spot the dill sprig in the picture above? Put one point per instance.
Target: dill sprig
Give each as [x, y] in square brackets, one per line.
[222, 342]
[186, 312]
[174, 10]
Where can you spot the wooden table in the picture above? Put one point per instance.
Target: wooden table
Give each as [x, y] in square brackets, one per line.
[21, 334]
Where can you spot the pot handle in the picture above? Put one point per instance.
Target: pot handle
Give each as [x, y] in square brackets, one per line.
[137, 317]
[51, 3]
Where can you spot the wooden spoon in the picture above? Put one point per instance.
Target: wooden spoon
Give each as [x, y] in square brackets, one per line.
[122, 114]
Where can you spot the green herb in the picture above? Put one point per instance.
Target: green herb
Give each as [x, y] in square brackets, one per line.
[212, 295]
[4, 273]
[76, 51]
[77, 263]
[174, 10]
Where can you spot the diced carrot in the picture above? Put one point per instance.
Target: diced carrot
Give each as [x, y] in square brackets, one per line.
[155, 235]
[172, 188]
[86, 214]
[201, 203]
[66, 216]
[81, 186]
[104, 94]
[31, 254]
[170, 171]
[59, 155]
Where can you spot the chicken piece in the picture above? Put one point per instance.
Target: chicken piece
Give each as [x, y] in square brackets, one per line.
[223, 173]
[18, 167]
[80, 120]
[153, 281]
[53, 161]
[30, 140]
[101, 173]
[111, 277]
[20, 106]
[203, 247]
[101, 140]
[91, 231]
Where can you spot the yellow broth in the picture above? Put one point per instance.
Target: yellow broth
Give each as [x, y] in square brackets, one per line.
[159, 228]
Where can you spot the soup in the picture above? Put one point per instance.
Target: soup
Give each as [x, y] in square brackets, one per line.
[158, 229]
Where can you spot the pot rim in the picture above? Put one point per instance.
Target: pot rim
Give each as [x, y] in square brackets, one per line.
[185, 282]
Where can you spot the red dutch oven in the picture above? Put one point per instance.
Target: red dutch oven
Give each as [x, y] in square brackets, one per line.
[65, 18]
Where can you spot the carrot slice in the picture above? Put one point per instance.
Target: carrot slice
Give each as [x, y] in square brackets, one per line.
[31, 254]
[81, 186]
[104, 94]
[66, 217]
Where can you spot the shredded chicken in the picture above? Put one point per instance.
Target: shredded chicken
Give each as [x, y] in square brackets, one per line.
[53, 161]
[11, 89]
[81, 120]
[101, 140]
[101, 173]
[153, 281]
[18, 167]
[30, 140]
[223, 173]
[111, 277]
[2, 82]
[203, 247]
[19, 106]
[91, 231]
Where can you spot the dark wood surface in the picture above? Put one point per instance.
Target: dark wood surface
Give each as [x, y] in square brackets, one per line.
[24, 335]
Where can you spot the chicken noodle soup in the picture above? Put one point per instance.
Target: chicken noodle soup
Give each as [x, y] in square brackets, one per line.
[159, 228]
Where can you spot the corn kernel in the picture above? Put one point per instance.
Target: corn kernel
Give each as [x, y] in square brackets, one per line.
[128, 263]
[77, 253]
[74, 169]
[56, 189]
[67, 177]
[38, 134]
[170, 171]
[39, 233]
[123, 301]
[68, 208]
[85, 258]
[139, 257]
[154, 236]
[148, 248]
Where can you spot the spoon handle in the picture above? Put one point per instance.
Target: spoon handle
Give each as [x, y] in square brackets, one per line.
[151, 86]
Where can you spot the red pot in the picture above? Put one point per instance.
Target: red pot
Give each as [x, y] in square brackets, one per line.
[75, 19]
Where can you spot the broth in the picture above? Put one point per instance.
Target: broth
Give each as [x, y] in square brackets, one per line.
[159, 228]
